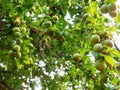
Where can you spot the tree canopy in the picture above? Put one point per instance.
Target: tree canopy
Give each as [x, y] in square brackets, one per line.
[64, 44]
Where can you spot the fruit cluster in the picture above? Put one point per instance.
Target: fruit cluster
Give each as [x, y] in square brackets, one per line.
[16, 48]
[49, 21]
[100, 45]
[21, 40]
[110, 8]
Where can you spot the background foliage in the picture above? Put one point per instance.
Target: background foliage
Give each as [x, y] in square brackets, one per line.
[50, 32]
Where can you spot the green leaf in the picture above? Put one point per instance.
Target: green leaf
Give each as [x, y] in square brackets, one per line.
[116, 52]
[109, 60]
[19, 66]
[27, 62]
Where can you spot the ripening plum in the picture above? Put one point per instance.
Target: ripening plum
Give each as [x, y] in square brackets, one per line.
[98, 47]
[95, 39]
[11, 53]
[108, 43]
[76, 57]
[100, 65]
[113, 14]
[104, 9]
[111, 7]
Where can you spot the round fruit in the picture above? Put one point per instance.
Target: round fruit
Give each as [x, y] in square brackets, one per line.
[104, 8]
[16, 29]
[103, 77]
[18, 55]
[113, 14]
[111, 7]
[48, 23]
[100, 65]
[95, 39]
[16, 48]
[11, 53]
[23, 29]
[19, 41]
[17, 34]
[17, 22]
[108, 43]
[98, 47]
[76, 57]
[33, 9]
[55, 18]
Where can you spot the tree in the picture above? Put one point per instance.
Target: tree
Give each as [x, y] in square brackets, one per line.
[36, 31]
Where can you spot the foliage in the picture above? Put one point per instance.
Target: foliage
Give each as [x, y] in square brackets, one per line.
[38, 40]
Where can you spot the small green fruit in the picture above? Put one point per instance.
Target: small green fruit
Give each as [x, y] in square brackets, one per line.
[76, 57]
[108, 43]
[17, 21]
[11, 53]
[16, 48]
[48, 24]
[98, 47]
[55, 18]
[16, 29]
[100, 65]
[19, 41]
[17, 34]
[33, 9]
[111, 7]
[103, 77]
[23, 29]
[104, 9]
[95, 39]
[18, 55]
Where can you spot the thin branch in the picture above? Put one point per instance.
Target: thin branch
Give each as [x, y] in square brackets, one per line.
[10, 72]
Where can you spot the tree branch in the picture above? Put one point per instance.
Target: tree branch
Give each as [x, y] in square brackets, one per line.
[116, 46]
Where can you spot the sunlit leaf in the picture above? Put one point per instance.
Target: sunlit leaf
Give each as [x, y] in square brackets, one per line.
[109, 60]
[19, 66]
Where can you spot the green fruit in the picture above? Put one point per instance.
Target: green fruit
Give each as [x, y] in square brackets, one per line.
[55, 18]
[100, 65]
[16, 48]
[76, 57]
[19, 41]
[16, 29]
[104, 9]
[98, 47]
[48, 23]
[103, 77]
[108, 43]
[95, 39]
[111, 7]
[11, 53]
[17, 21]
[113, 14]
[18, 55]
[23, 29]
[33, 9]
[17, 34]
